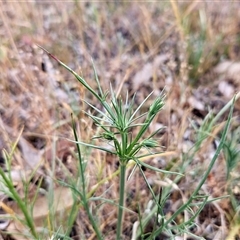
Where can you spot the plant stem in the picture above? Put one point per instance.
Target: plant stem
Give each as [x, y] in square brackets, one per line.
[203, 180]
[121, 199]
[92, 220]
[84, 194]
[21, 204]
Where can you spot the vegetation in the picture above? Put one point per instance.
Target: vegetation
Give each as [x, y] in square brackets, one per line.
[144, 145]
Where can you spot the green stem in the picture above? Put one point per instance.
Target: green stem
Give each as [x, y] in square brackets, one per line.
[84, 194]
[121, 199]
[203, 180]
[21, 204]
[92, 220]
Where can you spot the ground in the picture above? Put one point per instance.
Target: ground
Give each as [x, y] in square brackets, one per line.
[188, 50]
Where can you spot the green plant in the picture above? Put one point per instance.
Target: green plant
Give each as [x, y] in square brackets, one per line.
[29, 210]
[117, 122]
[232, 153]
[202, 46]
[8, 188]
[192, 206]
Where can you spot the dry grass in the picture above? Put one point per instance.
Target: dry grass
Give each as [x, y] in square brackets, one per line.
[138, 47]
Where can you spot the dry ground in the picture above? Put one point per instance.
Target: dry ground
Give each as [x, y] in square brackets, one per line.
[190, 49]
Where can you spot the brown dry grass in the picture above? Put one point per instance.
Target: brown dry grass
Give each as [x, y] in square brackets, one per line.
[138, 47]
